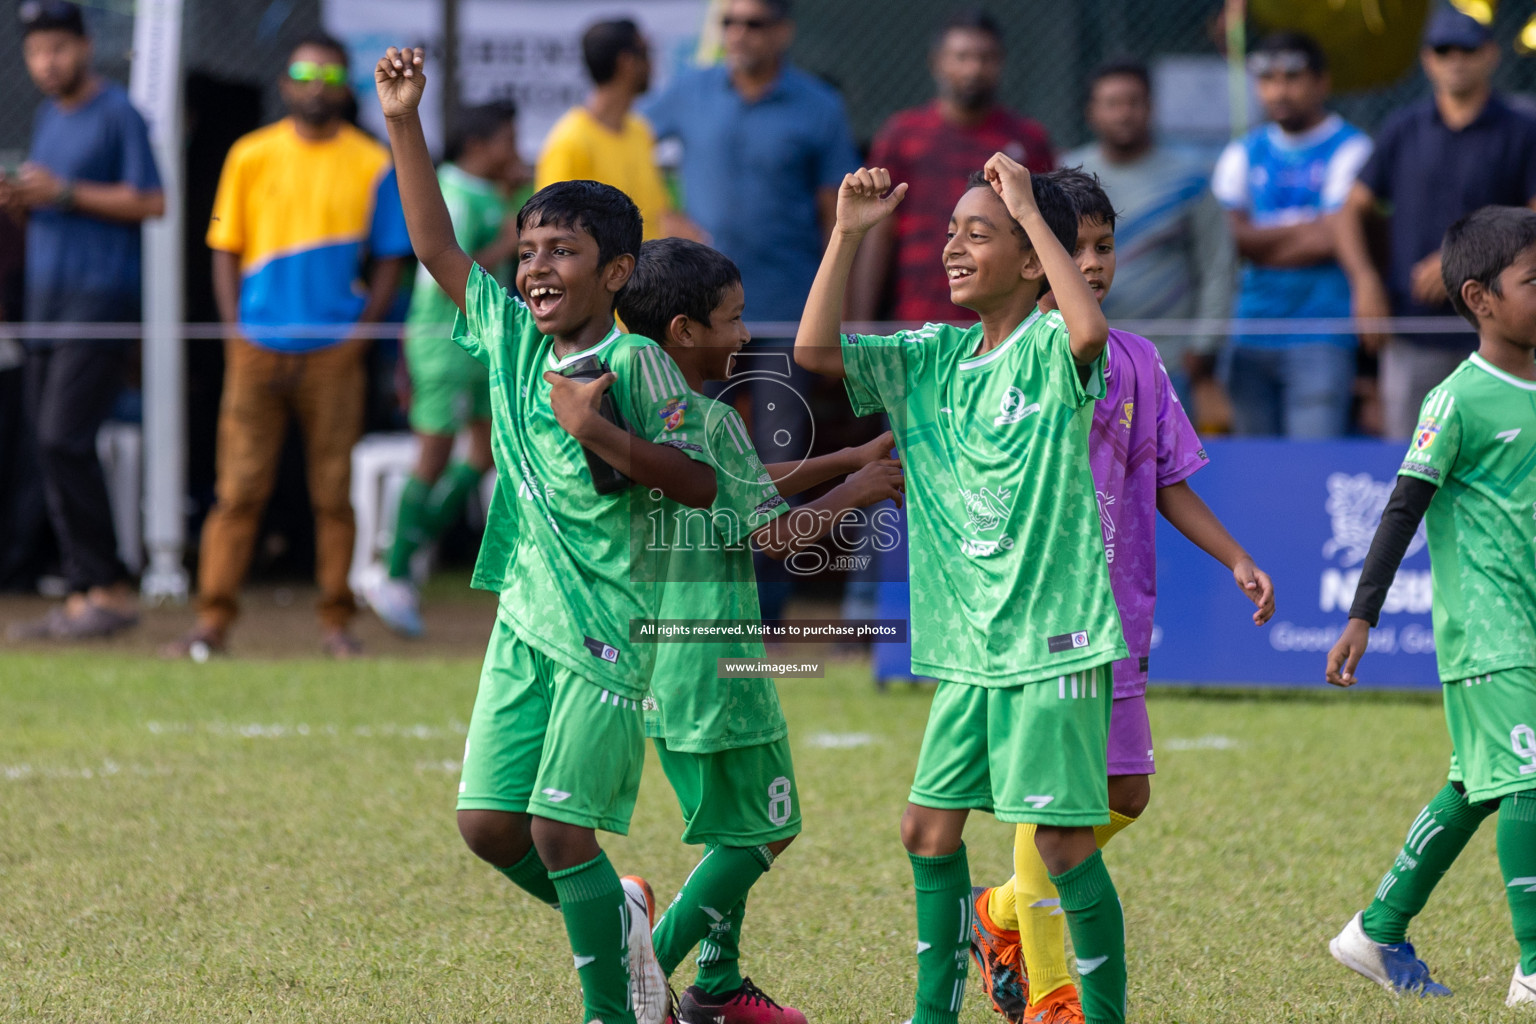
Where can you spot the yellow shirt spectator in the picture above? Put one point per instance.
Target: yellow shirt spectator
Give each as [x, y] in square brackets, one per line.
[579, 146]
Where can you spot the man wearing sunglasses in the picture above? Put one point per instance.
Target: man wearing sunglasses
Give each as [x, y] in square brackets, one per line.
[1436, 160]
[300, 205]
[89, 181]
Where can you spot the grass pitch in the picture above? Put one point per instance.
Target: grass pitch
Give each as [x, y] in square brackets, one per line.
[274, 841]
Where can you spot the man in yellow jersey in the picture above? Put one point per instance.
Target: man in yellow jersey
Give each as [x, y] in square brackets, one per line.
[605, 140]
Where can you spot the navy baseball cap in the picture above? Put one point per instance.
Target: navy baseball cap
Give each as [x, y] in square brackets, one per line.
[46, 15]
[1449, 27]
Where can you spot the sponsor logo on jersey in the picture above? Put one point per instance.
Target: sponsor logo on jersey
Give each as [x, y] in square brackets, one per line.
[598, 649]
[1012, 408]
[987, 508]
[1066, 641]
[1508, 435]
[1424, 436]
[1129, 411]
[1107, 524]
[672, 413]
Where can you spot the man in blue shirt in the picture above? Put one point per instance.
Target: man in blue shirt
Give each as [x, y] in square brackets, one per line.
[1281, 185]
[765, 146]
[88, 184]
[1437, 160]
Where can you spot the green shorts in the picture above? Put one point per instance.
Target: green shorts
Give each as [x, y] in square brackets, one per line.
[1033, 753]
[1492, 720]
[449, 387]
[743, 796]
[546, 741]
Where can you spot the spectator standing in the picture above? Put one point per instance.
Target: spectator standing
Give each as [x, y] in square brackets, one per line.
[450, 389]
[1435, 161]
[1173, 248]
[605, 140]
[934, 148]
[1281, 185]
[299, 203]
[89, 183]
[765, 146]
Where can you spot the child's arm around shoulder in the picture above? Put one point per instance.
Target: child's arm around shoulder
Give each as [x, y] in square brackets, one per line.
[399, 79]
[863, 200]
[1087, 330]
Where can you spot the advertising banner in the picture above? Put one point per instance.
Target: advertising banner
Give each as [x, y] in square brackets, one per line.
[1306, 511]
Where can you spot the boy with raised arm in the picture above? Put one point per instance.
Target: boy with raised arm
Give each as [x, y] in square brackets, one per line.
[556, 740]
[722, 741]
[1470, 474]
[1143, 450]
[1011, 604]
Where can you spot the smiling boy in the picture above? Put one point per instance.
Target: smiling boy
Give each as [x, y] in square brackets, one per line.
[723, 741]
[1011, 604]
[556, 739]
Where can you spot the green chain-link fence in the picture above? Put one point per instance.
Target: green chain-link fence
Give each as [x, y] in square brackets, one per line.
[874, 52]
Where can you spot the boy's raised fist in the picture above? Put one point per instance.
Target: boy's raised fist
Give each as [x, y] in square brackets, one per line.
[399, 80]
[865, 198]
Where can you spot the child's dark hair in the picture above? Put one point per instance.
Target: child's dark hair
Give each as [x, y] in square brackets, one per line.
[477, 124]
[604, 42]
[1479, 246]
[674, 276]
[1054, 203]
[602, 211]
[1087, 194]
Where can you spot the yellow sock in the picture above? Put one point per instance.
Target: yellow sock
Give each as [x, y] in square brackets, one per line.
[1000, 907]
[1037, 909]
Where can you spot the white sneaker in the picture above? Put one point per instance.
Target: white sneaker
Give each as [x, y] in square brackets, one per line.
[1394, 967]
[1522, 988]
[648, 993]
[396, 603]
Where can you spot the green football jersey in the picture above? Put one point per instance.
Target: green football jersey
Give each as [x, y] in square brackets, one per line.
[478, 209]
[1009, 579]
[709, 577]
[573, 566]
[1476, 442]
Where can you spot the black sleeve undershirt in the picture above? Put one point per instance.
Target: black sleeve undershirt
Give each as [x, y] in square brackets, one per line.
[1405, 510]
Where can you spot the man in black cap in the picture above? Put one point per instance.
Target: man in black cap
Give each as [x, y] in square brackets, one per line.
[89, 182]
[1435, 161]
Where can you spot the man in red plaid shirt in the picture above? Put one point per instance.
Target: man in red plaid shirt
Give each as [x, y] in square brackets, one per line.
[934, 148]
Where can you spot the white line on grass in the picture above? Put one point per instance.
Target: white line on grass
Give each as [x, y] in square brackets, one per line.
[302, 730]
[1200, 743]
[108, 769]
[839, 740]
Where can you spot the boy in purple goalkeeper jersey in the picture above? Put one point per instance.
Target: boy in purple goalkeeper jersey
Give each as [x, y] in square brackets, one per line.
[1143, 449]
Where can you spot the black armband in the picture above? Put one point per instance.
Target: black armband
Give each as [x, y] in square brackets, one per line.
[1405, 510]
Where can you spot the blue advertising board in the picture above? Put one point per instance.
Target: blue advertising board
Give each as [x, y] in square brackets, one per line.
[1306, 511]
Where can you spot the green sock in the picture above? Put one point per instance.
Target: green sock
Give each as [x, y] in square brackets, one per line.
[597, 921]
[1436, 838]
[943, 889]
[1097, 924]
[531, 876]
[446, 502]
[700, 915]
[719, 961]
[1517, 859]
[410, 528]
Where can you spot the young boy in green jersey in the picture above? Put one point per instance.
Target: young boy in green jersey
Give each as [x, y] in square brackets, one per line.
[1143, 450]
[1011, 604]
[556, 740]
[722, 741]
[1471, 471]
[450, 390]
